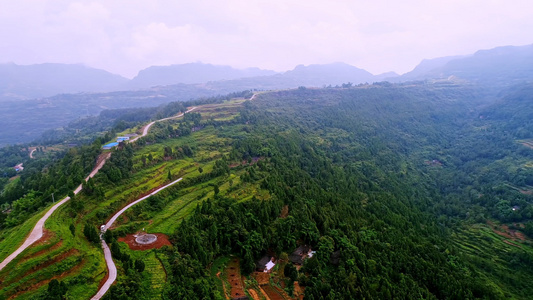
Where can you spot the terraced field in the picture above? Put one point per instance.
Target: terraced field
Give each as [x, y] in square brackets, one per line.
[72, 259]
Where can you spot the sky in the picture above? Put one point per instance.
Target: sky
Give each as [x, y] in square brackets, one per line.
[125, 36]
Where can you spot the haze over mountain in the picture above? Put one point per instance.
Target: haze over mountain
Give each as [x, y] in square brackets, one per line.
[191, 73]
[499, 66]
[492, 69]
[43, 80]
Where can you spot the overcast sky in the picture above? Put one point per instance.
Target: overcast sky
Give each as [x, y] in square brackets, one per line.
[125, 36]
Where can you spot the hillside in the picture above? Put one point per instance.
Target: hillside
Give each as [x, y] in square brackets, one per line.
[403, 190]
[25, 120]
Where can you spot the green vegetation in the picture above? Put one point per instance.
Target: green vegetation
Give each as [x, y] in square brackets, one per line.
[404, 191]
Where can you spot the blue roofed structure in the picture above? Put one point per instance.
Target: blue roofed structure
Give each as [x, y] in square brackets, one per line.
[110, 145]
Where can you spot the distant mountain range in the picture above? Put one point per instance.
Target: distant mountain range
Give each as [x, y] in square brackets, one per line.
[505, 65]
[191, 73]
[27, 92]
[44, 80]
[499, 66]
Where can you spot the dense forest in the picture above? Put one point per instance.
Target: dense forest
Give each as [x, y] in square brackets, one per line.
[388, 183]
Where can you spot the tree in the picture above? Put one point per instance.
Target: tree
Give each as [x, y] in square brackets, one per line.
[91, 234]
[291, 272]
[169, 176]
[139, 265]
[56, 290]
[72, 229]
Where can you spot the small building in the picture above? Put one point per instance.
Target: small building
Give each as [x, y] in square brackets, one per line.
[301, 253]
[265, 264]
[110, 145]
[123, 138]
[18, 167]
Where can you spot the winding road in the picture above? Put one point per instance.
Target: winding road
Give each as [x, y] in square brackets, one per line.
[112, 269]
[37, 231]
[147, 127]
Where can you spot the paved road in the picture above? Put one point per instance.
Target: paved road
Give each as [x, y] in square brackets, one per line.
[107, 253]
[147, 127]
[112, 269]
[37, 231]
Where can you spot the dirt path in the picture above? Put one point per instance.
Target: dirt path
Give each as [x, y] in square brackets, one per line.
[31, 153]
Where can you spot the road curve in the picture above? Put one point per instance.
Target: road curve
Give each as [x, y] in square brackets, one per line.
[37, 231]
[107, 253]
[112, 269]
[31, 153]
[147, 127]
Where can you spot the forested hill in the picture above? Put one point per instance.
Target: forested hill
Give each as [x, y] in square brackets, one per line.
[397, 168]
[405, 191]
[397, 179]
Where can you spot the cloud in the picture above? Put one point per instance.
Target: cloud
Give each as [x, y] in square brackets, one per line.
[124, 36]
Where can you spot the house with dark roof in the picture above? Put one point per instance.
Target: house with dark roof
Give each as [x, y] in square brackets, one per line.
[300, 254]
[265, 264]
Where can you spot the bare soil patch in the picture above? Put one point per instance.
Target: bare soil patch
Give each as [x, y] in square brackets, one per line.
[512, 244]
[261, 277]
[506, 232]
[272, 293]
[254, 294]
[298, 291]
[284, 212]
[234, 277]
[162, 240]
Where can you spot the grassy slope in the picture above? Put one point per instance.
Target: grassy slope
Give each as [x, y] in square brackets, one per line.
[81, 264]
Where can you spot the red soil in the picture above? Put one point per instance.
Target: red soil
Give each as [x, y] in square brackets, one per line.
[234, 278]
[507, 233]
[261, 277]
[162, 240]
[284, 212]
[298, 291]
[36, 285]
[272, 293]
[512, 244]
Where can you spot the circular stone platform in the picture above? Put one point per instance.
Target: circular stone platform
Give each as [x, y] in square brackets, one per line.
[146, 239]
